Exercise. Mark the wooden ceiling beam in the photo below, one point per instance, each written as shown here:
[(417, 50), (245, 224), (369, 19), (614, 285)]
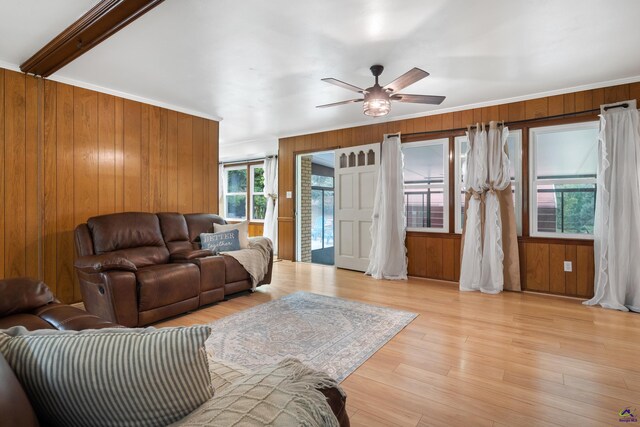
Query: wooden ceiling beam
[(105, 19)]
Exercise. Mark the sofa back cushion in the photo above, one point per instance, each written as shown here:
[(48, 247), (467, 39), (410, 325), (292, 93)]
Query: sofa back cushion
[(201, 223), (175, 232), (133, 235)]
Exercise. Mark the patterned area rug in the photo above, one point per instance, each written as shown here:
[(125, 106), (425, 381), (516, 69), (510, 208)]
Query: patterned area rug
[(330, 334)]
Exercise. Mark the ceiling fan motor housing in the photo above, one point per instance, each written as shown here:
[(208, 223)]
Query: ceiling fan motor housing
[(376, 70)]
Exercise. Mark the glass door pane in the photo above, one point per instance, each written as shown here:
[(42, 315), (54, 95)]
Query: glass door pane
[(328, 218), (317, 225)]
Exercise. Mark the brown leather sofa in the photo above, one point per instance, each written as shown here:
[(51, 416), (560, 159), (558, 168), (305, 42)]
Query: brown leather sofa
[(137, 268), (30, 303)]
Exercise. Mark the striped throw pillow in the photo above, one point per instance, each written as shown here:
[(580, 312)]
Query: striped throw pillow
[(111, 377)]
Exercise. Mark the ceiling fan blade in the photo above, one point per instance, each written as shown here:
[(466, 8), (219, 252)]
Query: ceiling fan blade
[(343, 85), (351, 101), (408, 78), (418, 99)]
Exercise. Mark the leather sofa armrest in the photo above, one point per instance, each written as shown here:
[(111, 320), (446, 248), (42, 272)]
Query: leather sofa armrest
[(267, 278), (191, 255), (102, 263), (111, 295)]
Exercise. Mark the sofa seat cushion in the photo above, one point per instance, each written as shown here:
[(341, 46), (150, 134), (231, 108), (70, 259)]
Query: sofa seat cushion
[(234, 271), (161, 285), (224, 372), (29, 321), (66, 317), (286, 394)]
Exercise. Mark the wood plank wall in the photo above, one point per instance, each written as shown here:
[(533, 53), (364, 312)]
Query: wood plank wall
[(256, 229), (438, 255), (68, 153)]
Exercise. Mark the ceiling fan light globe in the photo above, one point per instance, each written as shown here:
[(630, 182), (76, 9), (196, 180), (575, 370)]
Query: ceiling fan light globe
[(376, 107)]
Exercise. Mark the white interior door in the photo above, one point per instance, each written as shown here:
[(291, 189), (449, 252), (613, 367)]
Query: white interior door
[(356, 177)]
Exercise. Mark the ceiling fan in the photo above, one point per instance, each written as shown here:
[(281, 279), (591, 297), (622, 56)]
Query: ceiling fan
[(377, 99)]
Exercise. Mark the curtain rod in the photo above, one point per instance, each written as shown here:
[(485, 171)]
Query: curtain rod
[(558, 116), (239, 162), (609, 107), (487, 125)]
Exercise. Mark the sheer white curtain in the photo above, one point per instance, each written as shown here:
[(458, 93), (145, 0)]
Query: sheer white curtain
[(388, 256), (617, 221), (222, 190), (498, 179), (474, 178), (490, 215), (271, 192)]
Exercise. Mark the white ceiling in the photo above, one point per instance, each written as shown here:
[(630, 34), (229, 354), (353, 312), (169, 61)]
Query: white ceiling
[(26, 26), (257, 64), (326, 158)]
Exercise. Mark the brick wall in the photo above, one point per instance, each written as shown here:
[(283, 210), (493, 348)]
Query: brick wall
[(305, 209)]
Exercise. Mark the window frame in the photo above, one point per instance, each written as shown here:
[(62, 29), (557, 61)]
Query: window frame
[(445, 184), (533, 181), (252, 193), (249, 193), (227, 193), (515, 183)]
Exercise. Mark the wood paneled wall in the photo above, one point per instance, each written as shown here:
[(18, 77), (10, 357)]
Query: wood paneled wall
[(256, 229), (68, 153), (431, 255)]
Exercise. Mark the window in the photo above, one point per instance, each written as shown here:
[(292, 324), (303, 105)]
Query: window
[(258, 198), (236, 196), (563, 180), (514, 147), (245, 192), (426, 179)]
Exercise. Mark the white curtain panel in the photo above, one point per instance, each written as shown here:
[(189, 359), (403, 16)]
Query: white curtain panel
[(271, 192), (474, 178), (498, 179), (486, 172), (222, 189), (617, 220), (388, 256)]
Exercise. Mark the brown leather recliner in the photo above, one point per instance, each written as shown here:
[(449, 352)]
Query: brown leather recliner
[(30, 303), (138, 268)]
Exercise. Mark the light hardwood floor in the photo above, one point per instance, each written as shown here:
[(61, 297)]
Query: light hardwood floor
[(472, 359)]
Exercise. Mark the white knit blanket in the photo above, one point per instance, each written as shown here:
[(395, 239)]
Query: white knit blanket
[(282, 395), (255, 259)]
